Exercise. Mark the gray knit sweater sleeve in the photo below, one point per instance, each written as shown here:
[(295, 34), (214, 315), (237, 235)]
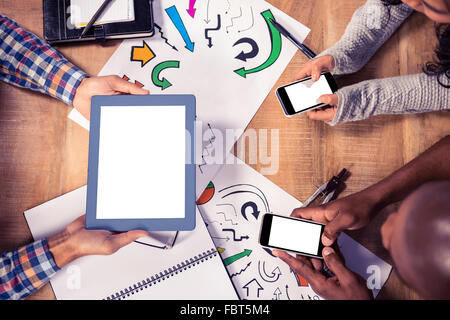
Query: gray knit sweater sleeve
[(370, 27), (398, 95)]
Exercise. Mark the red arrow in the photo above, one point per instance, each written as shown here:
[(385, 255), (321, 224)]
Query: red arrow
[(191, 9)]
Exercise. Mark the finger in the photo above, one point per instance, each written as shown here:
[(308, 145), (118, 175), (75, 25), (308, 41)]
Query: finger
[(124, 86), (317, 264), (334, 228), (315, 72), (303, 73), (344, 275), (331, 99), (322, 115), (313, 213), (314, 278), (122, 239)]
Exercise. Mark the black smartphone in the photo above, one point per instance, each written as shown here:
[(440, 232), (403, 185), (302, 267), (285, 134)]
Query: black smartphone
[(303, 95), (292, 234)]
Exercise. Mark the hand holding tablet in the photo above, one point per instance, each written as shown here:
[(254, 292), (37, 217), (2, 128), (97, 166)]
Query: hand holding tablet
[(141, 163)]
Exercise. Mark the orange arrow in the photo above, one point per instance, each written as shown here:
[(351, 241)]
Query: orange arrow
[(142, 54)]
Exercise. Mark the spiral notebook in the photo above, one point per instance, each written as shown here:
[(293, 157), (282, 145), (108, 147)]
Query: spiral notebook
[(192, 269)]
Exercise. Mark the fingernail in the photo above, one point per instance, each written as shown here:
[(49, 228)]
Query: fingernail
[(276, 253), (327, 251), (326, 241)]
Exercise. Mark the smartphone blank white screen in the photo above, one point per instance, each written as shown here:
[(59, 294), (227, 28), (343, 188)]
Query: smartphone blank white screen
[(295, 235), (306, 94), (141, 165)]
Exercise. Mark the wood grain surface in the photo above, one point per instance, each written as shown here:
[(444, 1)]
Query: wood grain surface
[(44, 155)]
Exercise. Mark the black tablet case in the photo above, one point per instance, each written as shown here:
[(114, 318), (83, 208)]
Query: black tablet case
[(57, 13)]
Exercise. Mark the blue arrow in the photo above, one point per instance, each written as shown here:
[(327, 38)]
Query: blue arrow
[(176, 19)]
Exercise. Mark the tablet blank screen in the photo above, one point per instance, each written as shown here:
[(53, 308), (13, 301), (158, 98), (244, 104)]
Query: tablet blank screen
[(141, 165)]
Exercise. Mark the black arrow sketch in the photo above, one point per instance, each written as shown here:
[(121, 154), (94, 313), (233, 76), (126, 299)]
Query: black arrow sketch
[(164, 38), (238, 273), (256, 285), (249, 55), (234, 235), (253, 21), (207, 20), (276, 273), (219, 24), (277, 293), (255, 212)]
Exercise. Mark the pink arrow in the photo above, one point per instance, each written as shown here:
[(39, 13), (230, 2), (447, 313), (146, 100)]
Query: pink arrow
[(191, 9)]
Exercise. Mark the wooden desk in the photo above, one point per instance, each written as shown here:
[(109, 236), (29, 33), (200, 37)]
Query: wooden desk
[(44, 155)]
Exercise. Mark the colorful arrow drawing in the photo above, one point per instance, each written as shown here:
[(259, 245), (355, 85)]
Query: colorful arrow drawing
[(191, 9), (163, 83), (142, 54), (233, 258), (276, 47), (174, 15), (249, 55)]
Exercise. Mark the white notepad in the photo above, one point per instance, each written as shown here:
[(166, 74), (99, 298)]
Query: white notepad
[(81, 12), (192, 269)]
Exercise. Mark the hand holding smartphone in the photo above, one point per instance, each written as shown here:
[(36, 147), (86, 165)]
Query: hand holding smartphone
[(292, 234), (303, 95)]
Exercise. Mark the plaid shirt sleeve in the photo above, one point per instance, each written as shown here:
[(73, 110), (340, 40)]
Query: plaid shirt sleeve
[(27, 61), (25, 270)]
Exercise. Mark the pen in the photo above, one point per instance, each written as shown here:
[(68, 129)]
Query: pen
[(95, 17), (307, 51)]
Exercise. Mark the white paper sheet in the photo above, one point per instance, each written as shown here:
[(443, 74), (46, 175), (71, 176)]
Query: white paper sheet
[(238, 198), (81, 12), (98, 277), (206, 62)]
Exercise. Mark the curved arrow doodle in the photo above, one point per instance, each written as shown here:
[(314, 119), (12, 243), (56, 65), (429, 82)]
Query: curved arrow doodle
[(252, 205), (287, 293), (233, 18), (163, 83), (276, 273), (212, 29), (259, 193), (249, 55), (276, 47), (225, 218), (234, 235)]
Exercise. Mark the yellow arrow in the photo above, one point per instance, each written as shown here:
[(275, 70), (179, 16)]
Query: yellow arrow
[(220, 250), (142, 54)]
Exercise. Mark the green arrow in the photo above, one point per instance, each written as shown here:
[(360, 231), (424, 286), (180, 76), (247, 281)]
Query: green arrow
[(230, 260), (163, 83), (275, 37)]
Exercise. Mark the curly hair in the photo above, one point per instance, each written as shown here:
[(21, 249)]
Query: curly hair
[(440, 67)]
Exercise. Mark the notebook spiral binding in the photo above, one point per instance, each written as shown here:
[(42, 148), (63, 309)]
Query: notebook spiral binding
[(170, 272)]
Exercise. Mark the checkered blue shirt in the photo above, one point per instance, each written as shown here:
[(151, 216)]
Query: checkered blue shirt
[(27, 61)]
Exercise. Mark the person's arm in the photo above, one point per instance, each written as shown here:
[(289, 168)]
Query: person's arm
[(397, 95), (370, 27), (29, 62), (356, 211), (25, 270)]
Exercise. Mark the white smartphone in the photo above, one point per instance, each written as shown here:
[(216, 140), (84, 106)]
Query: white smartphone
[(303, 95), (292, 234)]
